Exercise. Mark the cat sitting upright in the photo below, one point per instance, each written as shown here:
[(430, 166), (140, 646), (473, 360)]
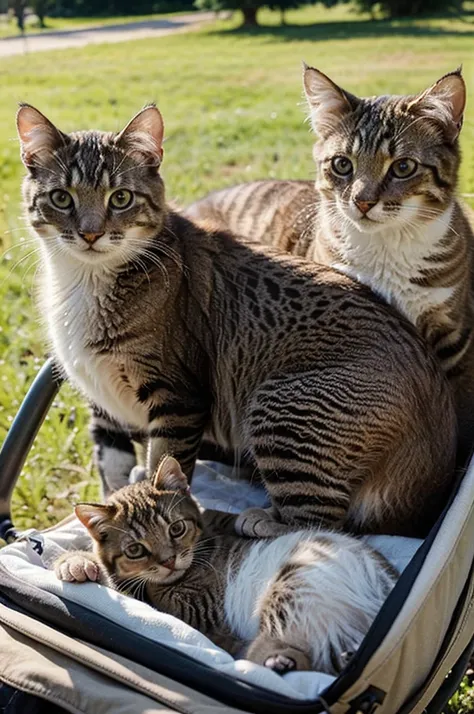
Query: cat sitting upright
[(383, 210)]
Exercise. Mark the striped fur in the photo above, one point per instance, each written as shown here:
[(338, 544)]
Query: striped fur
[(302, 601), (414, 246), (184, 331)]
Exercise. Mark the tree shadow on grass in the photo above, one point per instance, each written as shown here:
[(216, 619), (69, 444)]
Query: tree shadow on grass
[(353, 29)]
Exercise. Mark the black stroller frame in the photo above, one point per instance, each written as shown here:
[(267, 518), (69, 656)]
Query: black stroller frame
[(13, 453), (20, 438)]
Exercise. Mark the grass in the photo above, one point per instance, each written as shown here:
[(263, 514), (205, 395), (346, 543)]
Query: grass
[(232, 106)]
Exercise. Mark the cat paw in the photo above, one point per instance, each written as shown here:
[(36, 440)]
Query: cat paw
[(76, 568), (138, 473), (281, 664), (345, 658), (259, 523)]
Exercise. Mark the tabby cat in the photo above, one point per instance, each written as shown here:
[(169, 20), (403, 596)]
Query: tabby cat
[(178, 331), (302, 601), (383, 210)]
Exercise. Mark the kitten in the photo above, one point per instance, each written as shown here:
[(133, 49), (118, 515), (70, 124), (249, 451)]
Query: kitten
[(383, 210), (302, 601), (178, 331)]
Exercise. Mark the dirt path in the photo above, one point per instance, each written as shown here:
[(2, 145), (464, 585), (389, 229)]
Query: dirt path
[(60, 40)]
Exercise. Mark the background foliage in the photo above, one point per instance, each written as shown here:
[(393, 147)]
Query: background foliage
[(249, 8)]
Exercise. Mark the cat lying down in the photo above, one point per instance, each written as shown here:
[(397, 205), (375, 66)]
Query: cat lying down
[(302, 601)]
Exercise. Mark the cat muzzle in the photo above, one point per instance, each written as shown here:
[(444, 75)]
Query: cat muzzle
[(365, 206), (170, 564), (90, 238)]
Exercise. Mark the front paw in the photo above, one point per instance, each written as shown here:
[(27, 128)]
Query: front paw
[(260, 523), (280, 663), (77, 568)]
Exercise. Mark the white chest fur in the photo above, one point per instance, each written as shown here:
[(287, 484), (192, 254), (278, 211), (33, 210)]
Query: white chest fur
[(71, 300), (389, 260)]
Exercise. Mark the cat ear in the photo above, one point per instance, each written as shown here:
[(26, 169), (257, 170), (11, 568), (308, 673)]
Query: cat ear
[(93, 516), (169, 476), (328, 103), (144, 134), (39, 138), (444, 101)]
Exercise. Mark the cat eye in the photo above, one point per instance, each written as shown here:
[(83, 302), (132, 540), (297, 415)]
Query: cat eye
[(403, 168), (61, 199), (342, 166), (121, 199), (135, 551), (177, 529)]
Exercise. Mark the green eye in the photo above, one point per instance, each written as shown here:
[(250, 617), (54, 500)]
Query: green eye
[(403, 168), (61, 199), (177, 529), (121, 199), (135, 551), (342, 166)]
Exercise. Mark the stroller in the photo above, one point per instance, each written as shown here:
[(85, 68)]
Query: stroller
[(86, 649)]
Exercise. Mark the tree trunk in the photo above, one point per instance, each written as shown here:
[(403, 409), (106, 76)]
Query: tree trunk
[(19, 11), (282, 16), (250, 16), (41, 13)]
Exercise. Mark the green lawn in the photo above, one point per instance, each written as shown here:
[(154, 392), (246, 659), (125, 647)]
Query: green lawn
[(232, 103)]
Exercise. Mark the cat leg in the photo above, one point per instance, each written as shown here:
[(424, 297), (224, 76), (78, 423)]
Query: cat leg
[(176, 431), (260, 523), (218, 522), (114, 452), (298, 436), (80, 566), (276, 654)]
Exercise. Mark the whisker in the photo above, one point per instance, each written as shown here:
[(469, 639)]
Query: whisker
[(171, 509), (138, 167), (116, 528)]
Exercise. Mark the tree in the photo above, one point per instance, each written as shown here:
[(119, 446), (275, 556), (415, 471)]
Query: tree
[(19, 7), (283, 7), (409, 8), (96, 8), (250, 8), (41, 8)]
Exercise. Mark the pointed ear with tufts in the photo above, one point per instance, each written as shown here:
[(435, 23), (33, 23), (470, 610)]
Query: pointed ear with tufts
[(443, 102), (143, 135), (169, 476), (328, 103), (39, 138), (94, 516)]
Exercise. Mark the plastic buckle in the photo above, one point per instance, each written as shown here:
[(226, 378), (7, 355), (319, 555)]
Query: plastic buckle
[(367, 702)]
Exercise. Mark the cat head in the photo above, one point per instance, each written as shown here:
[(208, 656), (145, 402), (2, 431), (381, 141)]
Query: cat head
[(148, 530), (390, 160), (95, 196)]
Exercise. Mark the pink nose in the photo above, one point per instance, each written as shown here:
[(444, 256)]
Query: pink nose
[(365, 206), (170, 564), (90, 237)]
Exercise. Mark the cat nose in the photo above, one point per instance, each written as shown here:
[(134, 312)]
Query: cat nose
[(364, 206), (90, 237), (170, 563)]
